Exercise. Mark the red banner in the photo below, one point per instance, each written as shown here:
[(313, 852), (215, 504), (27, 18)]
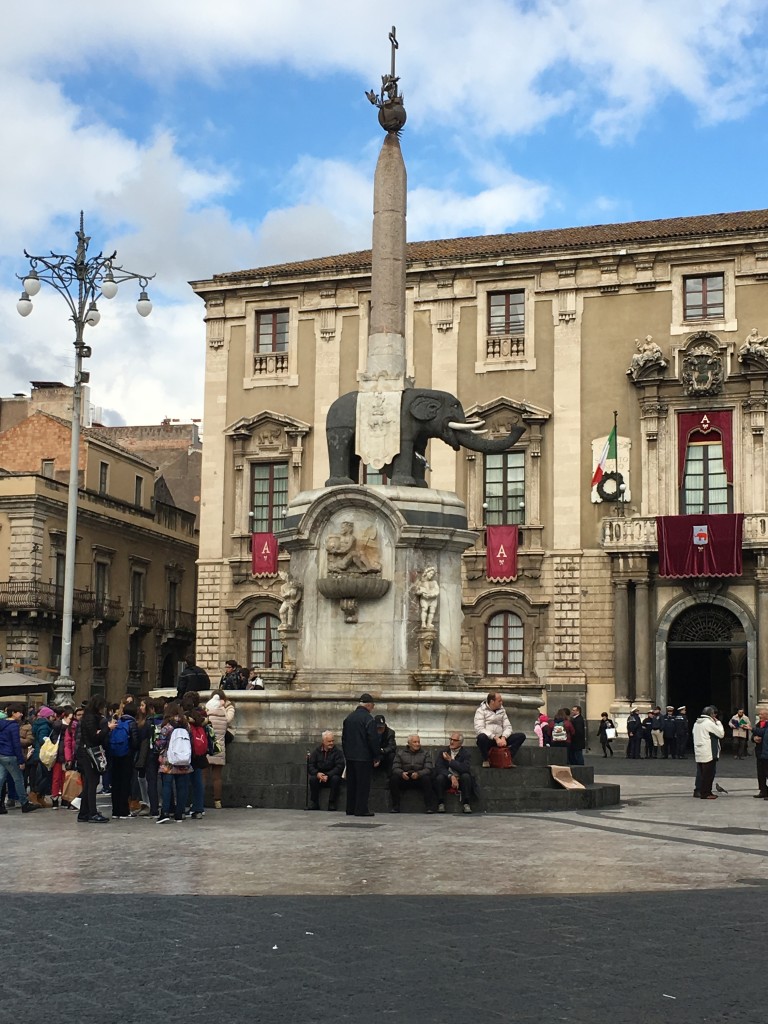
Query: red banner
[(264, 554), (699, 545), (501, 553)]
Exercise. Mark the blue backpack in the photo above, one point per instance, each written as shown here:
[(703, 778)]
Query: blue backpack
[(120, 738)]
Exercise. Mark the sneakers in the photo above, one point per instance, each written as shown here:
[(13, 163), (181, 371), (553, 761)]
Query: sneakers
[(331, 806), (394, 810), (197, 815), (10, 804), (163, 820), (467, 809), (486, 764), (441, 808), (27, 807), (98, 819)]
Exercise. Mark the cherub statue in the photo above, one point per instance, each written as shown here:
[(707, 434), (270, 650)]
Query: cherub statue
[(427, 589), (290, 592)]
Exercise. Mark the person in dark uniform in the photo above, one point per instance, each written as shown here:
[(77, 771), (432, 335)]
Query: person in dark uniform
[(647, 726), (682, 732), (669, 728), (634, 733), (361, 744)]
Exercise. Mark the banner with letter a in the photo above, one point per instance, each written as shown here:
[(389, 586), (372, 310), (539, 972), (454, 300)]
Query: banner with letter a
[(501, 553), (264, 554)]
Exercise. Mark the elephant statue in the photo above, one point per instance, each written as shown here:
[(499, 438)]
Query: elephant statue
[(424, 414)]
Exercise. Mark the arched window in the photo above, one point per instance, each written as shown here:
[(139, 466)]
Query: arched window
[(265, 647), (504, 645), (705, 484)]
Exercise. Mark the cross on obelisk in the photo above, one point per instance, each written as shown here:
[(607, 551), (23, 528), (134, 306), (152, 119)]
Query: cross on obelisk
[(382, 384)]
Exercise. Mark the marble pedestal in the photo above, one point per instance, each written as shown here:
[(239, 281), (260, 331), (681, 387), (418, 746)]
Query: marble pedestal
[(359, 625)]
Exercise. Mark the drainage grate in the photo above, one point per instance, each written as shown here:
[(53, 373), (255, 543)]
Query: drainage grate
[(356, 824)]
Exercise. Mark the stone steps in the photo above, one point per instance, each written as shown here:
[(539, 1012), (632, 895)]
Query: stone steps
[(274, 775)]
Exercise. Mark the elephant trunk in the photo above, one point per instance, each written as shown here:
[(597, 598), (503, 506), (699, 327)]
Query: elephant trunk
[(488, 446)]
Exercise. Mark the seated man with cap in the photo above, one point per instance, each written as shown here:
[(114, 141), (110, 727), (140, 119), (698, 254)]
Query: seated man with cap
[(453, 773), (411, 767), (388, 744), (325, 768)]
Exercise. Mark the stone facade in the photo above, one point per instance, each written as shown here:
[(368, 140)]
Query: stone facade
[(596, 320)]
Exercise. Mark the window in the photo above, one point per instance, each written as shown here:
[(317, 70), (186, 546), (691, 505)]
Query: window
[(703, 297), (373, 476), (136, 654), (46, 468), (265, 646), (100, 650), (103, 477), (137, 597), (138, 491), (504, 645), (269, 496), (506, 313), (272, 331), (504, 490), (61, 565), (705, 484), (173, 602), (100, 586)]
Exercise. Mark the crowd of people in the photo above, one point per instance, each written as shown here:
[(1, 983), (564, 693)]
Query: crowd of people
[(151, 755)]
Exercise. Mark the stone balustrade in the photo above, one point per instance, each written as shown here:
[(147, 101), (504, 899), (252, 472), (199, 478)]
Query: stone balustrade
[(637, 534)]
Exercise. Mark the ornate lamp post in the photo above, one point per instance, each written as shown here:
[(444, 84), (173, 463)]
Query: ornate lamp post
[(82, 281)]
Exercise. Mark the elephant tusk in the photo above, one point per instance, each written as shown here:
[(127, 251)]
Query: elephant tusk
[(466, 426), (483, 431)]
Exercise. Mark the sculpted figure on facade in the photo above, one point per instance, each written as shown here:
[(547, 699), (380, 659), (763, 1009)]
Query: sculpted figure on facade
[(647, 358), (427, 589), (290, 594), (754, 350), (350, 554)]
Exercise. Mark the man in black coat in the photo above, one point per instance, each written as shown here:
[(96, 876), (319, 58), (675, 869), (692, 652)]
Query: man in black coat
[(453, 770), (579, 741), (388, 743), (325, 767), (682, 732), (361, 744), (669, 728), (192, 677)]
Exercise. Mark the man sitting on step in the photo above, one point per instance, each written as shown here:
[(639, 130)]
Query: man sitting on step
[(453, 773), (412, 767), (493, 728), (325, 767)]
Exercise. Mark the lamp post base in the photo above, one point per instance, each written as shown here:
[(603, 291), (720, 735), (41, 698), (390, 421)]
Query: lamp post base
[(63, 691)]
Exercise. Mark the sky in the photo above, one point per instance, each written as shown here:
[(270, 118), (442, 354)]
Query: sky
[(201, 138)]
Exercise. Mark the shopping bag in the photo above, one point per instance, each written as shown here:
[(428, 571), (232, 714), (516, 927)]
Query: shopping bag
[(73, 786)]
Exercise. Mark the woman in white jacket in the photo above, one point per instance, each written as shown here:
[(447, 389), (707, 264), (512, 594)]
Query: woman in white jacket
[(221, 714), (707, 733)]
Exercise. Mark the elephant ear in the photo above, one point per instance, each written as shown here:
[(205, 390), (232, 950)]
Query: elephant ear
[(425, 408)]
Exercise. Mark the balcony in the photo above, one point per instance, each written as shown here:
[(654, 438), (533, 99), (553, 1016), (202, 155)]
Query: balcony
[(142, 618), (178, 623), (637, 534), (33, 597)]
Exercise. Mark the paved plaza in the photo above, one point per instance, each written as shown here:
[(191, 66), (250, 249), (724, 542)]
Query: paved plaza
[(652, 911)]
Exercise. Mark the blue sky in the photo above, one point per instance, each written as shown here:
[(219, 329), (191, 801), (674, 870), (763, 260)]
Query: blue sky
[(202, 138)]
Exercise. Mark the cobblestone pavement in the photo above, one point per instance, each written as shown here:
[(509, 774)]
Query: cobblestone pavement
[(650, 912)]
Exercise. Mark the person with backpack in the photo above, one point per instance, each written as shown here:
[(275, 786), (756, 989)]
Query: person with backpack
[(174, 745), (124, 743), (200, 745), (562, 732), (39, 775), (93, 734), (155, 719)]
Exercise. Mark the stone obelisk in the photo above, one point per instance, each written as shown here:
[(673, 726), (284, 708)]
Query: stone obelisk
[(382, 384)]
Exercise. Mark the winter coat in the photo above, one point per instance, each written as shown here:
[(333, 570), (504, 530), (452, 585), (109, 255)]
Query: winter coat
[(144, 732), (740, 726), (92, 732), (492, 723), (761, 733), (705, 748), (192, 677), (387, 743), (579, 741), (41, 729), (360, 738), (220, 716), (460, 763), (605, 723), (327, 762), (27, 737), (669, 727), (10, 742), (634, 725), (407, 760), (681, 728), (162, 746)]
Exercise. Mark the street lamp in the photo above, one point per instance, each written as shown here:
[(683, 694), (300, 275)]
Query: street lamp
[(82, 282)]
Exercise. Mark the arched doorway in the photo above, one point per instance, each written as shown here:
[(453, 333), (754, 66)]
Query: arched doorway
[(707, 660)]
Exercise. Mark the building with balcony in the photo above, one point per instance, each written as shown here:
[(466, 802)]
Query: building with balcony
[(135, 574), (662, 323)]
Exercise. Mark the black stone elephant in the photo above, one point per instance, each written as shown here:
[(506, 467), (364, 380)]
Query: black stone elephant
[(424, 414)]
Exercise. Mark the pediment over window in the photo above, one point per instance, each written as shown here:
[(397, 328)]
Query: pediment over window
[(502, 414), (268, 431)]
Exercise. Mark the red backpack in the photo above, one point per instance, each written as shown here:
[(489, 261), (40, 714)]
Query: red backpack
[(199, 740)]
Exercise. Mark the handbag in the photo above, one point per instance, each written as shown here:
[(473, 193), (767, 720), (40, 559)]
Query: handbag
[(98, 758), (500, 757), (73, 786), (610, 733), (228, 737), (48, 752)]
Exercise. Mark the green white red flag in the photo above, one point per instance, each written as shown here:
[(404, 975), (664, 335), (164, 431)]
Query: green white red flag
[(608, 454)]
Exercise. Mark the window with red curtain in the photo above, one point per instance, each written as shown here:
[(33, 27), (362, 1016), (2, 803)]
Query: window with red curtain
[(705, 463)]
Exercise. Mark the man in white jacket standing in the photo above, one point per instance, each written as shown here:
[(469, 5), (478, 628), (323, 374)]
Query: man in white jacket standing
[(707, 733), (493, 728)]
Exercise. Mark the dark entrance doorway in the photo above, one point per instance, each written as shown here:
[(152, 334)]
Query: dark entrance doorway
[(706, 661)]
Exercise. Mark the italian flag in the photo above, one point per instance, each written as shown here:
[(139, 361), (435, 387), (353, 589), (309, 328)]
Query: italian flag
[(608, 452)]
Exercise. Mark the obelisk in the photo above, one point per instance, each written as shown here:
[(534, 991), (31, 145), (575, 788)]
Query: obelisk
[(382, 384)]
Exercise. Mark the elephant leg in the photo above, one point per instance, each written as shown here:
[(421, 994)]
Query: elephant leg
[(402, 467), (341, 456)]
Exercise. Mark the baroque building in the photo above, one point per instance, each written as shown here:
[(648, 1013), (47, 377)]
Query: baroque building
[(658, 327), (135, 574)]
